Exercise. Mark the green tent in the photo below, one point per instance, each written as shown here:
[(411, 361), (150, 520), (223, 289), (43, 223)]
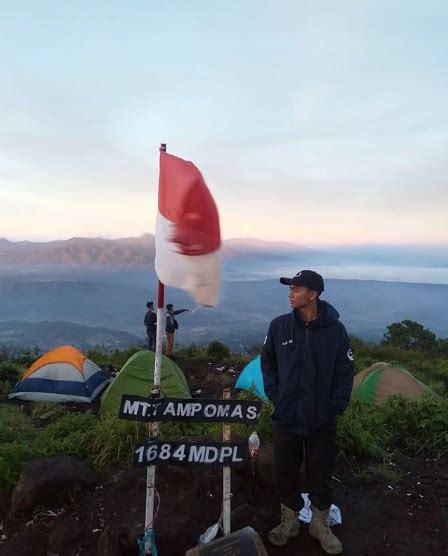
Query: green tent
[(382, 380), (136, 378)]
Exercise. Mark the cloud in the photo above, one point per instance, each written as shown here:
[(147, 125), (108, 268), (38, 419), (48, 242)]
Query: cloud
[(309, 121)]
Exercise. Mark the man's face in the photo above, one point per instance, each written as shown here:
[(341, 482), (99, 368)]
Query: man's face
[(301, 297)]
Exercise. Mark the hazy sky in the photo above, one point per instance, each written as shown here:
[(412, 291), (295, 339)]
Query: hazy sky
[(318, 122)]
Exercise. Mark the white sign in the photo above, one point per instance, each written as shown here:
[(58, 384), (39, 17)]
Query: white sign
[(191, 453)]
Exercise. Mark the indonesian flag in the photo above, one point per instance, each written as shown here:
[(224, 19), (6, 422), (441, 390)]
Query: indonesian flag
[(188, 239)]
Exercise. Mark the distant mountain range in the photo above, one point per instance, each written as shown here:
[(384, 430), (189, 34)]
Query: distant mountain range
[(92, 252), (138, 252), (93, 291)]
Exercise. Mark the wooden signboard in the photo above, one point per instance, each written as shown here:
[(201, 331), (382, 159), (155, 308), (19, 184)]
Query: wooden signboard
[(216, 454), (137, 408)]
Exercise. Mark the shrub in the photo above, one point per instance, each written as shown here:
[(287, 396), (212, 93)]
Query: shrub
[(192, 353), (111, 441), (71, 435), (9, 376), (12, 457), (418, 426), (14, 425), (360, 432), (217, 351), (16, 435)]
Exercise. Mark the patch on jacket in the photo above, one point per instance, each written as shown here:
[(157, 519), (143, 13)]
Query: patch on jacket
[(287, 342), (350, 355)]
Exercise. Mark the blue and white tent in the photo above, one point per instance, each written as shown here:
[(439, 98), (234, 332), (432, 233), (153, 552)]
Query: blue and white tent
[(252, 379), (64, 374)]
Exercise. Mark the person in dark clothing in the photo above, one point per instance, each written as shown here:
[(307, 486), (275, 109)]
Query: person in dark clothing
[(151, 325), (307, 366), (171, 325)]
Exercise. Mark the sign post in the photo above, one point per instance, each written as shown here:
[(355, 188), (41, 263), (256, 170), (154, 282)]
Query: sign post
[(224, 454), (226, 477)]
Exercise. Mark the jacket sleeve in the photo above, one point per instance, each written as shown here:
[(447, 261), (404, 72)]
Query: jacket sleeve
[(179, 311), (269, 368), (343, 376)]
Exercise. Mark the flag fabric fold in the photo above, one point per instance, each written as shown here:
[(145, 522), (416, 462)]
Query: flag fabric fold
[(188, 238)]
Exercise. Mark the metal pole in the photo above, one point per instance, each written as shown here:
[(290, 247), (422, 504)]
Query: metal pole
[(226, 476), (153, 429)]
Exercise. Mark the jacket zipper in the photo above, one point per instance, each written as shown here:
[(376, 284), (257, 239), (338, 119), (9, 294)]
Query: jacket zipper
[(315, 375), (306, 342)]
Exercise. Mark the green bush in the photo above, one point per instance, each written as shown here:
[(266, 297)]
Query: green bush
[(10, 372), (12, 457), (418, 426), (217, 351), (192, 353), (111, 441), (71, 435), (14, 425), (16, 436), (360, 432)]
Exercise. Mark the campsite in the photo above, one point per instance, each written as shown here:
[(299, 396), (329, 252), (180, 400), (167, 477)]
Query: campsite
[(224, 278), (390, 480)]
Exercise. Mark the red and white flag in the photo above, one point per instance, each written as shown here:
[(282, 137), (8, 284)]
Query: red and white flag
[(188, 239)]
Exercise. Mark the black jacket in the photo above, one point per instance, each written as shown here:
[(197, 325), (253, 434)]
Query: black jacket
[(308, 370), (150, 322), (171, 324)]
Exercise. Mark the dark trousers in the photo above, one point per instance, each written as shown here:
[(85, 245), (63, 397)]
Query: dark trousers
[(151, 341), (289, 451)]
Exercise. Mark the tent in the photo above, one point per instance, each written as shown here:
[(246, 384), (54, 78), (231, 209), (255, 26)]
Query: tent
[(137, 376), (252, 379), (64, 374), (381, 380)]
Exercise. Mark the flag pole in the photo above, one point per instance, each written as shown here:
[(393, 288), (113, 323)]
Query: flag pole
[(153, 429)]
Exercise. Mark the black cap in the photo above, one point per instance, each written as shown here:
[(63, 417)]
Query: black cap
[(307, 278)]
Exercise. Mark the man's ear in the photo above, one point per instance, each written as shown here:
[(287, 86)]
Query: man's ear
[(313, 295)]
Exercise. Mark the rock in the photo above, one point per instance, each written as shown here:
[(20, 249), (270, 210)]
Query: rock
[(265, 465), (46, 481), (65, 535)]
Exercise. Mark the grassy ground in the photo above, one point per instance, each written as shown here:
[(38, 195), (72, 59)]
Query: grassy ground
[(364, 432)]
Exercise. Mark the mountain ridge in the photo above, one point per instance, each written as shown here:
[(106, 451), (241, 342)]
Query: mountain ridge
[(118, 253)]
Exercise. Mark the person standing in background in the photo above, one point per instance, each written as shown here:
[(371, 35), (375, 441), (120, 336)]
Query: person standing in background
[(171, 325), (151, 325)]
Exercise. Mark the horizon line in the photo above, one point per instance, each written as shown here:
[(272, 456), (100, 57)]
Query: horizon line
[(240, 238)]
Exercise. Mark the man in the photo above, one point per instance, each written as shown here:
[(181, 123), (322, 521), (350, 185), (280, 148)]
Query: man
[(307, 366), (151, 325), (171, 325)]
